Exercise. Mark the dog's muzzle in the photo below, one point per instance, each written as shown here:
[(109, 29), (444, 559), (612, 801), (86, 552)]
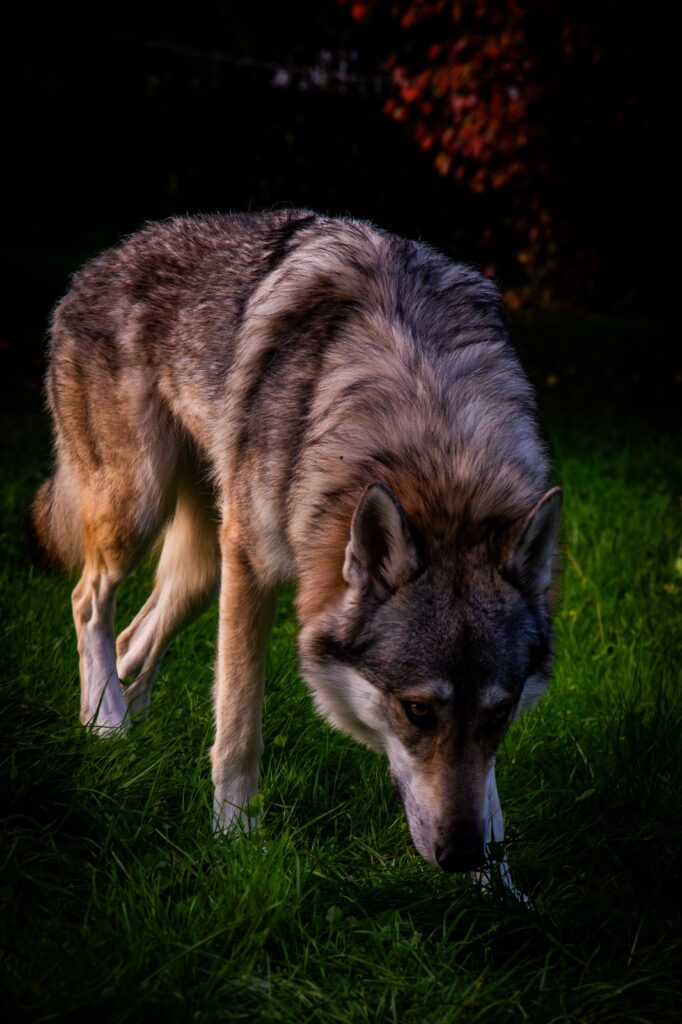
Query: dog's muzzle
[(463, 849)]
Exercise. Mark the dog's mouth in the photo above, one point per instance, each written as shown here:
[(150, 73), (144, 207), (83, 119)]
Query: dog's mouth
[(462, 851)]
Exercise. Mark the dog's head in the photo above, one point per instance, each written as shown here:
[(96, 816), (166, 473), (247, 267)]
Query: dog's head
[(429, 658)]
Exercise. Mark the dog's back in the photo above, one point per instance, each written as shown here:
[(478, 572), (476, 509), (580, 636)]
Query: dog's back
[(298, 356)]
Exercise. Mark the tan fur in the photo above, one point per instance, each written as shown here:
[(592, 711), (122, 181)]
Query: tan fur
[(55, 520), (231, 387), (186, 580), (238, 746)]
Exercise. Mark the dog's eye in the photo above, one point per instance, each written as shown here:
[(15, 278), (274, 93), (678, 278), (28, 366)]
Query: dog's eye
[(419, 714), (500, 713)]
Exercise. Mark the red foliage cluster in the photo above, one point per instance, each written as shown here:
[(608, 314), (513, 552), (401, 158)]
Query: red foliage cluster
[(467, 95), (464, 83), (511, 98), (469, 103)]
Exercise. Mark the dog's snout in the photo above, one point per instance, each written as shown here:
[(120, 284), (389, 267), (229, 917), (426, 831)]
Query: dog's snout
[(462, 850)]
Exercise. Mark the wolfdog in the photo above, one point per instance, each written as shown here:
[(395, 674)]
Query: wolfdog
[(289, 396)]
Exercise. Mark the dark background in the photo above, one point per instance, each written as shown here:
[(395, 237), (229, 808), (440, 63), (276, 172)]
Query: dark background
[(117, 114), (115, 122)]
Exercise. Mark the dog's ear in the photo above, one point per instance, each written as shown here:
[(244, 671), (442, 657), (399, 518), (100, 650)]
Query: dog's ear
[(381, 554), (532, 557)]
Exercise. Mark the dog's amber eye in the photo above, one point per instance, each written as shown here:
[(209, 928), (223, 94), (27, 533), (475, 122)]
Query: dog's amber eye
[(500, 713), (419, 710), (419, 714)]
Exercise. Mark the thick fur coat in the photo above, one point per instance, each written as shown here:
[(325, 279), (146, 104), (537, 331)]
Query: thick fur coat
[(287, 396)]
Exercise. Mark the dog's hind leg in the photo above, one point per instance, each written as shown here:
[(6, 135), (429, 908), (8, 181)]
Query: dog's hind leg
[(186, 581), (246, 610), (116, 532)]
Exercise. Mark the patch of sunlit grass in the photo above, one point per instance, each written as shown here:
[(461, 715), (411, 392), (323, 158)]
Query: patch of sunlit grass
[(118, 904)]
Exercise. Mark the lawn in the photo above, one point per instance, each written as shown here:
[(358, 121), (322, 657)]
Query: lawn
[(118, 905)]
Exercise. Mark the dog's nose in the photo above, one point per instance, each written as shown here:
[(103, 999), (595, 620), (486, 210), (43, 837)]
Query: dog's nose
[(463, 849)]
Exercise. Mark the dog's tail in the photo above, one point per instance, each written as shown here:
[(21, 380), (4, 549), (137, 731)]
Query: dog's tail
[(55, 523)]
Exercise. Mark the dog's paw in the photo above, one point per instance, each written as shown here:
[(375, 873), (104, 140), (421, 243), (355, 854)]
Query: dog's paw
[(109, 715), (508, 883), (234, 813), (492, 874)]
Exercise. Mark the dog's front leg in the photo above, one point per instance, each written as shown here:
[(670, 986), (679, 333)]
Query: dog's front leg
[(246, 610), (495, 832), (494, 839)]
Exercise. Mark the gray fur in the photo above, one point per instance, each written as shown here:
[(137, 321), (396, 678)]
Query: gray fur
[(236, 384)]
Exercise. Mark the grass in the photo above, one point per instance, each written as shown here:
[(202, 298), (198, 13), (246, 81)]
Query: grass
[(118, 905)]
